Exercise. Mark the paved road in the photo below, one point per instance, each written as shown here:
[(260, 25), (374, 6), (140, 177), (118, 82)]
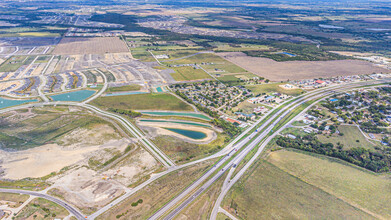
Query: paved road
[(67, 206), (215, 168), (105, 85), (269, 125), (229, 150), (228, 183)]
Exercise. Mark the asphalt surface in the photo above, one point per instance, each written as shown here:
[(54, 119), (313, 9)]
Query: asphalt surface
[(228, 151), (268, 126), (67, 206)]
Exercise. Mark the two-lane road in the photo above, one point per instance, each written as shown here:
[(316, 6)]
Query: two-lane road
[(67, 206)]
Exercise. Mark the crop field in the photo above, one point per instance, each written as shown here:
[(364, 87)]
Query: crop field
[(182, 151), (42, 209), (349, 139), (97, 45), (267, 192), (297, 70), (143, 102), (358, 187), (272, 88), (156, 194), (188, 73)]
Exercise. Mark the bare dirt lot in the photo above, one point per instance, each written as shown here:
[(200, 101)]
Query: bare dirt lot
[(96, 45), (297, 70)]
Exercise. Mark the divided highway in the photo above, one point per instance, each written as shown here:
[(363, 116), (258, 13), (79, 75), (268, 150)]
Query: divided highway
[(252, 140), (231, 156)]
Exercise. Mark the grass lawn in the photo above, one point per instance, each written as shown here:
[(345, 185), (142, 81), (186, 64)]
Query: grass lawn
[(272, 88), (354, 185), (267, 192), (132, 87), (143, 102), (42, 209), (187, 73), (351, 134)]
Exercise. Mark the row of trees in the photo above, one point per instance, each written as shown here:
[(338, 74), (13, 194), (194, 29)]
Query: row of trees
[(129, 113), (372, 160)]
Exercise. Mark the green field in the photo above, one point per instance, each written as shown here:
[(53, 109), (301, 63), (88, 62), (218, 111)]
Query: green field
[(43, 59), (272, 88), (143, 102), (294, 131), (267, 192), (182, 151), (246, 107), (187, 73), (361, 188), (132, 87), (42, 209), (349, 139), (225, 47), (43, 127), (209, 61), (174, 54), (142, 55), (13, 63)]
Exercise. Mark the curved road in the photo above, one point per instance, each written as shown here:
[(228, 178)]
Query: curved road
[(268, 126), (229, 150), (71, 209)]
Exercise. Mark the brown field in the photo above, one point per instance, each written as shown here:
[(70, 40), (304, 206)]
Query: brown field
[(297, 70), (96, 45)]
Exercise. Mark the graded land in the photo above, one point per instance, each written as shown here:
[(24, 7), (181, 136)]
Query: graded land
[(298, 70)]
